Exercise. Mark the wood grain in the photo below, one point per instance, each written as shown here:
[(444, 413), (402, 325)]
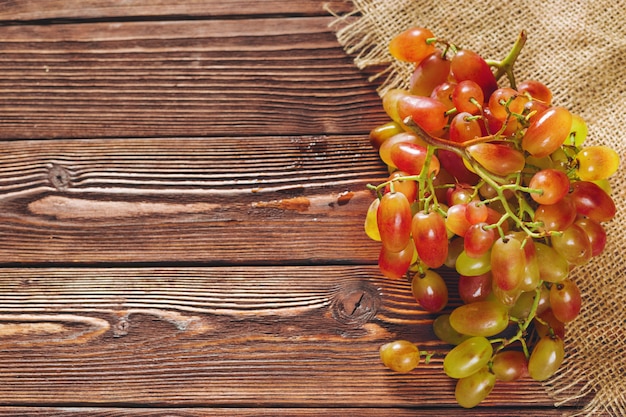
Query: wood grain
[(181, 78), (230, 336), (28, 10), (233, 200)]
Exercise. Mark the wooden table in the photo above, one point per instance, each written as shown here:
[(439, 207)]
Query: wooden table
[(182, 196)]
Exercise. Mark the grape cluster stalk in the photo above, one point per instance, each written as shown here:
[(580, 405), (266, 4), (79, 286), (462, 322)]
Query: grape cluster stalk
[(491, 179)]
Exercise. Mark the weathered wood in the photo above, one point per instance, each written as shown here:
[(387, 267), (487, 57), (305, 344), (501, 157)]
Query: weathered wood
[(29, 10), (181, 78), (273, 336), (253, 200)]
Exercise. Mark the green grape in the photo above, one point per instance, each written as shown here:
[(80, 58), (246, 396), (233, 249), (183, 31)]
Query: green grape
[(467, 357), (524, 303), (466, 265), (472, 390), (371, 222), (400, 355), (445, 332), (546, 357), (573, 244), (553, 267), (596, 163), (509, 365), (383, 132), (481, 318), (578, 131)]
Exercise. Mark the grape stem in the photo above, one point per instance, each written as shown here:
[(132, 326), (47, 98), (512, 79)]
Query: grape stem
[(505, 67)]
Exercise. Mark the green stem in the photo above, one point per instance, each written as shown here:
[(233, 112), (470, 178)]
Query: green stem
[(505, 67)]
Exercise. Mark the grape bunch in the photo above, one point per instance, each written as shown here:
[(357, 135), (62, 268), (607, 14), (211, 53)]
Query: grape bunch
[(490, 178)]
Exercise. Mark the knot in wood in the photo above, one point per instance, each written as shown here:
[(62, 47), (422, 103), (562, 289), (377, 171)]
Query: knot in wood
[(59, 177), (356, 303)]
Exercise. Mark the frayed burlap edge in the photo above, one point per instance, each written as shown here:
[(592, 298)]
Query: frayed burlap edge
[(583, 63)]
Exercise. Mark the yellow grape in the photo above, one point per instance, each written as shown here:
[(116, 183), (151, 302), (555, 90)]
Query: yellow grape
[(596, 163), (371, 222), (472, 390), (400, 355)]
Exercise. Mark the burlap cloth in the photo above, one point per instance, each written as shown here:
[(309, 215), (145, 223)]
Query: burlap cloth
[(577, 48)]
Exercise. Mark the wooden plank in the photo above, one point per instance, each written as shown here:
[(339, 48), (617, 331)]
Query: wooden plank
[(181, 78), (29, 10), (298, 199), (275, 412), (236, 337)]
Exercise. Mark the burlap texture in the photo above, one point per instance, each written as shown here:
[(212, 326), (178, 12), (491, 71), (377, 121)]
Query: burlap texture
[(577, 48)]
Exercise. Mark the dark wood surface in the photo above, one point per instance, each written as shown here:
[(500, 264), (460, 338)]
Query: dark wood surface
[(182, 194)]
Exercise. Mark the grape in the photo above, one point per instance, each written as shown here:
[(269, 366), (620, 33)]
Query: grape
[(431, 72), (406, 187), (445, 332), (464, 127), (592, 201), (430, 291), (427, 112), (578, 131), (478, 240), (410, 158), (565, 300), (553, 183), (385, 149), (509, 365), (481, 318), (596, 163), (467, 357), (508, 262), (476, 212), (468, 65), (394, 220), (467, 96), (466, 265), (430, 237), (411, 45), (595, 233), (511, 200), (383, 132), (456, 220), (546, 358), (573, 244), (443, 94), (400, 355), (557, 216), (473, 389), (549, 325), (395, 265), (499, 159), (548, 132), (524, 303), (553, 267), (506, 98), (476, 288), (371, 220), (537, 90)]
